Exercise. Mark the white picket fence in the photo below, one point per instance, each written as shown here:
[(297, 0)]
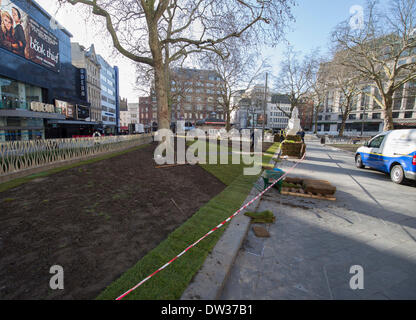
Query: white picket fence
[(16, 156)]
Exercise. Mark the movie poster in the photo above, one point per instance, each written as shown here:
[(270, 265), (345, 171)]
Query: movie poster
[(22, 35), (260, 119), (65, 108)]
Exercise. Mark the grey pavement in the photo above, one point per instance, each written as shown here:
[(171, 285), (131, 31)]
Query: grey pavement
[(314, 243)]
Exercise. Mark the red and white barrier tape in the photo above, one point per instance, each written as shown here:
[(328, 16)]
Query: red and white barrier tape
[(212, 231)]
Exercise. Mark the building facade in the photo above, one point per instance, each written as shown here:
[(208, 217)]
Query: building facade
[(133, 109), (87, 60), (196, 95), (147, 111), (40, 89), (125, 120), (278, 118), (367, 117), (251, 109), (109, 81)]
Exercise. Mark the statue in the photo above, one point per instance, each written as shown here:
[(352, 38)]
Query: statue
[(294, 123)]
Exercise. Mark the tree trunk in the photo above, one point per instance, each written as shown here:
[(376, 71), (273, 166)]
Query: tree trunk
[(388, 112), (345, 114), (228, 115), (316, 120), (160, 79), (344, 120)]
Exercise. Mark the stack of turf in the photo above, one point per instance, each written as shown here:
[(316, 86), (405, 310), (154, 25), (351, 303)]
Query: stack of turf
[(293, 147), (261, 217), (319, 187)]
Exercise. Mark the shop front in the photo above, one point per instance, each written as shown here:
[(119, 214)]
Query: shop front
[(31, 80), (76, 122), (22, 124), (69, 129)]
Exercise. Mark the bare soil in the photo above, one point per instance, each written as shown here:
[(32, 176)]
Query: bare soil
[(95, 221)]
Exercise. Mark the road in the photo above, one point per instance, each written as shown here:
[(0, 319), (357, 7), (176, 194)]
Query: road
[(314, 243)]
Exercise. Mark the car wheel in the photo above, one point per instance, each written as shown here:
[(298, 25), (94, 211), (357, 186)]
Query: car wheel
[(397, 174), (359, 162)]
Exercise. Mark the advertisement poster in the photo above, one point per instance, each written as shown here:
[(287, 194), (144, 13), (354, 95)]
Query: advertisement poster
[(260, 119), (83, 113), (22, 35), (65, 108)]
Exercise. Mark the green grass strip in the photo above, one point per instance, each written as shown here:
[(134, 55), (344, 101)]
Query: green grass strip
[(171, 282), (19, 181)]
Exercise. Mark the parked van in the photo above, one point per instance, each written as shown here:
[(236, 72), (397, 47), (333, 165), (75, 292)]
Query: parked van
[(392, 152)]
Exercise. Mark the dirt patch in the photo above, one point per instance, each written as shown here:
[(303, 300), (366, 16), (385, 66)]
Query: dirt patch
[(261, 232), (95, 221)]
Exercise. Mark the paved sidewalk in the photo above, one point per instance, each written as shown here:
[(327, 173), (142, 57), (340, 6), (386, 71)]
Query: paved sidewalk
[(314, 243)]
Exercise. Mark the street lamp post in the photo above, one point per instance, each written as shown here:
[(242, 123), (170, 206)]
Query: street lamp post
[(251, 111), (362, 123)]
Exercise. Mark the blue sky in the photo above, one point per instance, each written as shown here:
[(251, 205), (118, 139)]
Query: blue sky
[(315, 19)]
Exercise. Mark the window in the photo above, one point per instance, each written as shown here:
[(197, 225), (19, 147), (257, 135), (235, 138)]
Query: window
[(410, 104), (17, 95), (376, 115), (397, 100), (376, 142), (408, 115), (396, 115), (397, 103), (352, 117)]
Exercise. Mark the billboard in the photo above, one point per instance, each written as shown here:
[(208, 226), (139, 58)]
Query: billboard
[(260, 119), (83, 113), (22, 35), (65, 108)]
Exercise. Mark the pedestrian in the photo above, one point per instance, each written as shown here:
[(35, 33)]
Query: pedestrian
[(302, 135)]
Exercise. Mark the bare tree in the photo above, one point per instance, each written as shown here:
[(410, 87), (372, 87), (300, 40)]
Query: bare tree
[(317, 94), (296, 78), (345, 81), (156, 33), (239, 69), (381, 50)]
